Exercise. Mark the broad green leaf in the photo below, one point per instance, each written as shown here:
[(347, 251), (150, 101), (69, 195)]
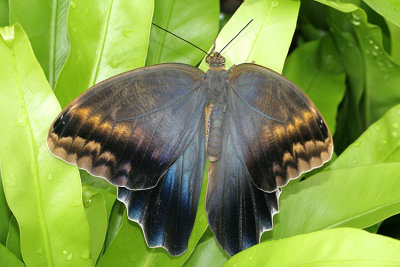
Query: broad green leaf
[(196, 22), (389, 9), (45, 23), (5, 215), (266, 40), (96, 213), (341, 6), (207, 253), (128, 246), (107, 37), (380, 143), (9, 259), (43, 192), (13, 238), (395, 41), (335, 247), (316, 68), (4, 13), (358, 190)]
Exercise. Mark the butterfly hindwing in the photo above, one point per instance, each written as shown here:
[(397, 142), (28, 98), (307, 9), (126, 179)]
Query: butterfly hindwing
[(281, 132), (167, 212), (131, 128), (238, 212)]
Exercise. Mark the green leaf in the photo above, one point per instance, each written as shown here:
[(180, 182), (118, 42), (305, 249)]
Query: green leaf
[(358, 190), (316, 68), (196, 22), (4, 13), (107, 38), (335, 247), (207, 253), (128, 247), (5, 215), (96, 213), (13, 238), (9, 259), (266, 40), (45, 23), (42, 191), (395, 41), (390, 9)]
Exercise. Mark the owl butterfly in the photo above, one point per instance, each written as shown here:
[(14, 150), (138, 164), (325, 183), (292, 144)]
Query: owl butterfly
[(147, 131)]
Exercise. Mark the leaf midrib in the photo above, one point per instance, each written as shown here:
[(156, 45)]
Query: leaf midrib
[(100, 49)]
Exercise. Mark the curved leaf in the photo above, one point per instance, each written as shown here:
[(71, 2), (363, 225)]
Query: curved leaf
[(395, 41), (389, 9), (45, 23), (107, 37), (208, 253), (8, 259), (42, 191), (315, 67), (266, 40), (195, 21), (359, 189), (335, 247), (13, 238)]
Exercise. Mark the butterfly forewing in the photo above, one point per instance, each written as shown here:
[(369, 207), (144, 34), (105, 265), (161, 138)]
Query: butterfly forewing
[(131, 128), (167, 212), (281, 132)]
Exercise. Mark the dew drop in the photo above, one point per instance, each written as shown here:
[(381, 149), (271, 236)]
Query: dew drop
[(88, 203), (378, 127), (357, 144), (395, 125), (355, 22), (85, 254), (371, 41), (374, 53), (251, 258), (395, 134), (355, 16), (355, 161), (275, 3), (69, 257), (114, 63), (50, 177), (65, 252), (73, 5), (376, 47), (74, 29), (384, 142)]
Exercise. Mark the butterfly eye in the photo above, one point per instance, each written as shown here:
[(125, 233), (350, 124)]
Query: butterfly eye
[(222, 60)]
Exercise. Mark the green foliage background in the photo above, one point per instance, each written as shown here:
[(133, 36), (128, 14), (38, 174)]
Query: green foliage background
[(344, 54)]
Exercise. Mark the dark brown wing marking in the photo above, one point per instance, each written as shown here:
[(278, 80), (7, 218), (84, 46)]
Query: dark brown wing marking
[(131, 128), (282, 133)]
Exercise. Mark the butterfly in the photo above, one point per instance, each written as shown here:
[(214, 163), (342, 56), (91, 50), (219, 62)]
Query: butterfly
[(148, 132)]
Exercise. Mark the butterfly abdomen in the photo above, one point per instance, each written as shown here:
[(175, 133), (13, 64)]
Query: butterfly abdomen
[(215, 131)]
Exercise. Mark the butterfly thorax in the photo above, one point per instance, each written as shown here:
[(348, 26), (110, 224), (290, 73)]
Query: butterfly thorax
[(216, 85)]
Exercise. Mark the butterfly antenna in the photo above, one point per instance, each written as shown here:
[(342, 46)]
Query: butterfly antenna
[(236, 35), (181, 38)]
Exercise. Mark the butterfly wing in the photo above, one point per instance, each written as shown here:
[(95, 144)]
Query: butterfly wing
[(167, 212), (132, 127), (281, 132), (238, 212)]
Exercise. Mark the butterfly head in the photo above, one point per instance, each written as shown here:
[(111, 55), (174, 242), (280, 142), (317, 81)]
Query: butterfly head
[(215, 60)]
